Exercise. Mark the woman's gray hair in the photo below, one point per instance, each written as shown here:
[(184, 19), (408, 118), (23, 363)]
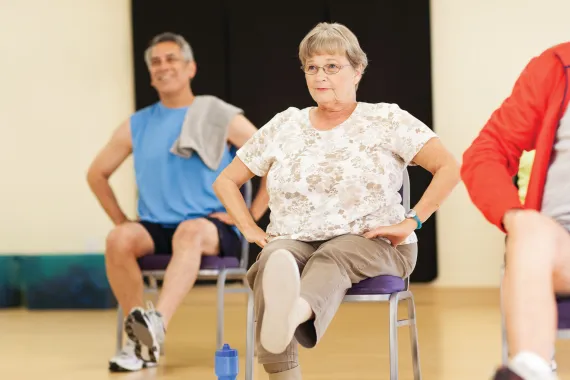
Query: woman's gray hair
[(326, 38), (170, 37)]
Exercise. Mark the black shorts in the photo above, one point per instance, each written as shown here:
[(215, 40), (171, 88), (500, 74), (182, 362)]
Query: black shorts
[(230, 242)]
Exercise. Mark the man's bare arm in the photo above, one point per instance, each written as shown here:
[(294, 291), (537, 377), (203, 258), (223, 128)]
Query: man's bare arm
[(107, 161)]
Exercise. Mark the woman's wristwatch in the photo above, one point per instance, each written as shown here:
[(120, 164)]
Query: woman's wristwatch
[(412, 215)]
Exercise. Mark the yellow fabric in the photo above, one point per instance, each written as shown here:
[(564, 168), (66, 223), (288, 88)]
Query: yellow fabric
[(525, 167)]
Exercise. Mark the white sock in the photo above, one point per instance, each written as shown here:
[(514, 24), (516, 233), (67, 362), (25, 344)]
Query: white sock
[(302, 311), (531, 366)]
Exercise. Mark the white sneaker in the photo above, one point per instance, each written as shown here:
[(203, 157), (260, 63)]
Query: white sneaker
[(126, 360), (281, 293), (145, 328), (530, 366)]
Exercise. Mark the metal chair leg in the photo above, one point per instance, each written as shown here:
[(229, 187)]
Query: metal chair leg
[(254, 343), (504, 342), (119, 329), (250, 338), (394, 300), (414, 337), (221, 288)]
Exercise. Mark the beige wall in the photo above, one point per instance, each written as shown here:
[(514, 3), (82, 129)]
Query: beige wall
[(479, 49), (66, 84)]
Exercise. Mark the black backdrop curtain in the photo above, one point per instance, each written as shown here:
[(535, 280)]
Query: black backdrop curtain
[(247, 55)]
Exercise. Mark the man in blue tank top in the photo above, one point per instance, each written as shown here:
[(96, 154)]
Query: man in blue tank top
[(179, 214)]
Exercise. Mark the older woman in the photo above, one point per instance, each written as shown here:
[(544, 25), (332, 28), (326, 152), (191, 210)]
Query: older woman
[(333, 176)]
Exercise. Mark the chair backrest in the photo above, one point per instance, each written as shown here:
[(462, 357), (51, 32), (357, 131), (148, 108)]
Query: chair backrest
[(405, 193), (247, 192), (406, 190)]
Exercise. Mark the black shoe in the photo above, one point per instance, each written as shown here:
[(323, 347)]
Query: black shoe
[(505, 373)]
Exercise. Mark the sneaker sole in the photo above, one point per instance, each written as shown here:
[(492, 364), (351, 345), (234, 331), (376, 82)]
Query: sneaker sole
[(114, 367), (140, 332), (281, 290)]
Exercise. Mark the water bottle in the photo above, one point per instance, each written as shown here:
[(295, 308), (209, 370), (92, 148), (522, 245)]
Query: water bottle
[(227, 365)]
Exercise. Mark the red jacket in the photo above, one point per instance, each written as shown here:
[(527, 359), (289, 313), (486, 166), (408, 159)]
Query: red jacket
[(527, 120)]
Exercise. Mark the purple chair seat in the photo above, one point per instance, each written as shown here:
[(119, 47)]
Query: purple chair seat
[(564, 313), (377, 285), (160, 262)]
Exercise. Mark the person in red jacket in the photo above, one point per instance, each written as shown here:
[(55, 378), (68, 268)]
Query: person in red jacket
[(535, 116)]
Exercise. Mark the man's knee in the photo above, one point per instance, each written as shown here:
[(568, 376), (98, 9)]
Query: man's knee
[(532, 224), (195, 231), (126, 240), (531, 229)]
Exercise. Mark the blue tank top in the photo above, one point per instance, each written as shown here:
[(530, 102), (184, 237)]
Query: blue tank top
[(171, 189)]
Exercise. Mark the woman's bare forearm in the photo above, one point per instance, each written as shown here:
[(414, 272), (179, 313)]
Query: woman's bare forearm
[(442, 184), (229, 194)]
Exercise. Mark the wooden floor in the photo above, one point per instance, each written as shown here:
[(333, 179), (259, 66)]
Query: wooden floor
[(459, 333)]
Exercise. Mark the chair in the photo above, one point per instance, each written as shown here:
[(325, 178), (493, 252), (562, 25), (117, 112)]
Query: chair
[(563, 306), (390, 289), (153, 268)]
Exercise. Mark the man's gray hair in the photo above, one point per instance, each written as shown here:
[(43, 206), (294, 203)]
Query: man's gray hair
[(170, 37)]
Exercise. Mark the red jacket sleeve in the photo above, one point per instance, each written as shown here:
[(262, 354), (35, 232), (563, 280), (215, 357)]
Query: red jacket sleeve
[(492, 160)]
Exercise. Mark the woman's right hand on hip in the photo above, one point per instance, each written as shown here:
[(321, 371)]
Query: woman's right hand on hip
[(256, 235)]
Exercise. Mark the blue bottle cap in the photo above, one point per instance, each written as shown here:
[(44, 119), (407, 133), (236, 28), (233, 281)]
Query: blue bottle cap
[(227, 352)]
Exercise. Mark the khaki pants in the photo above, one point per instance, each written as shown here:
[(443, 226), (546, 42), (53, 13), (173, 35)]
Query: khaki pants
[(328, 269)]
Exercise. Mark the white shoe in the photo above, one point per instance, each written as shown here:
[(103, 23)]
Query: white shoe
[(146, 328), (126, 360), (281, 293), (530, 366)]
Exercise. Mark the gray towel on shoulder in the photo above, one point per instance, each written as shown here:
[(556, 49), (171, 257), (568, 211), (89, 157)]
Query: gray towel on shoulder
[(205, 130)]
